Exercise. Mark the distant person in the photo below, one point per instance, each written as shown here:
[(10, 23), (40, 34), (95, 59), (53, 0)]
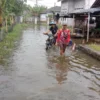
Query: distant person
[(57, 18)]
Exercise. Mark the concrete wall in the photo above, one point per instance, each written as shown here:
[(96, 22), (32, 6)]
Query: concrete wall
[(89, 51), (69, 21)]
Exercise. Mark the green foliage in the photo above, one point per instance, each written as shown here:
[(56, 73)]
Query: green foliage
[(38, 9), (7, 45), (95, 47), (12, 6)]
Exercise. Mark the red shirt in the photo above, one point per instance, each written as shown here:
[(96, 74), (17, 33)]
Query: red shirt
[(63, 36)]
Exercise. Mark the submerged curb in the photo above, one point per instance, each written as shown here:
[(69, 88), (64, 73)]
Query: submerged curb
[(89, 51)]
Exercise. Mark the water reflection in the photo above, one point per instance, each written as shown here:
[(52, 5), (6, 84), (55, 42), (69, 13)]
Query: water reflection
[(32, 68), (61, 70), (58, 66)]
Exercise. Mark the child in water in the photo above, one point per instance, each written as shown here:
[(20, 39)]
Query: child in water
[(63, 39)]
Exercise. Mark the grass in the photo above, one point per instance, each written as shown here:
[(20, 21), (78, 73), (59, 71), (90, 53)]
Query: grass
[(95, 47), (7, 45)]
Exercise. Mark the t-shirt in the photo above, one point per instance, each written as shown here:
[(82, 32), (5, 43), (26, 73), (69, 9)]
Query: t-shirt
[(53, 30), (63, 36)]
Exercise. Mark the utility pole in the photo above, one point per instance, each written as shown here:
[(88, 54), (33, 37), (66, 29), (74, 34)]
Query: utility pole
[(36, 13), (36, 19), (54, 4), (36, 2)]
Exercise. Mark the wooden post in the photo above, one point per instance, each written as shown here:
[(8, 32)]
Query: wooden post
[(88, 27), (36, 20), (48, 19), (73, 24)]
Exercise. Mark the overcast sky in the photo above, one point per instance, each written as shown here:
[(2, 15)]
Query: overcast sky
[(48, 3)]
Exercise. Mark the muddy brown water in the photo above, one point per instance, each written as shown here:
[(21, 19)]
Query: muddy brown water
[(34, 74)]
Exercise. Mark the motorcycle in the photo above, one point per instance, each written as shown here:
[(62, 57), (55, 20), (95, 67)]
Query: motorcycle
[(49, 41)]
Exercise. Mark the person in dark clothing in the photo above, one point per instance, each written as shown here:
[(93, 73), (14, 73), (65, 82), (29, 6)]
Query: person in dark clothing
[(53, 29), (57, 17)]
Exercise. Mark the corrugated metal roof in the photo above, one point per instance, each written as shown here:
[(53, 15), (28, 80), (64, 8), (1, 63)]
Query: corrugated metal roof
[(53, 9), (96, 4), (82, 11), (91, 10)]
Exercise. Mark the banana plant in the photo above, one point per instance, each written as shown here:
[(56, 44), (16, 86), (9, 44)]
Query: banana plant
[(2, 6)]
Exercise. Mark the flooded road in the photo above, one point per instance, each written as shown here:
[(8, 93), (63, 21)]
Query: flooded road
[(34, 74)]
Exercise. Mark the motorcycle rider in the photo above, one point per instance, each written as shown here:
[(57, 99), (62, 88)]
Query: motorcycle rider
[(53, 29)]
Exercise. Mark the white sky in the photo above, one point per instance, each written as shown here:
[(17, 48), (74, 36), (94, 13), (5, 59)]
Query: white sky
[(48, 3)]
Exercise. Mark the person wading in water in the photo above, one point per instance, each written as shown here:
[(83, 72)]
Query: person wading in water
[(63, 38)]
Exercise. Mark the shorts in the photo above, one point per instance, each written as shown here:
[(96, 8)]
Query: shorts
[(62, 46), (70, 43)]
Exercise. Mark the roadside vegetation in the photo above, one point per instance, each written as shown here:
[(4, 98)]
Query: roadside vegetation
[(95, 47), (8, 44), (10, 30)]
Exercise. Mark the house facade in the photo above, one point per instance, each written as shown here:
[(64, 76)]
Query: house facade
[(44, 15), (69, 6)]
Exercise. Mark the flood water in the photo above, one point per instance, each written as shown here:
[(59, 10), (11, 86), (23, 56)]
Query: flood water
[(34, 74)]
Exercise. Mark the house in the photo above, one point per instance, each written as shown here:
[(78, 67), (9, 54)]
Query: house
[(69, 6), (82, 17), (43, 16), (49, 12)]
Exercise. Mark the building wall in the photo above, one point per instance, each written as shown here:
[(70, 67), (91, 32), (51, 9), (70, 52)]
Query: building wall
[(68, 6), (71, 5), (43, 17), (79, 4)]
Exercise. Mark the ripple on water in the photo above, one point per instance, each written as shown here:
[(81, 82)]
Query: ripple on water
[(36, 74)]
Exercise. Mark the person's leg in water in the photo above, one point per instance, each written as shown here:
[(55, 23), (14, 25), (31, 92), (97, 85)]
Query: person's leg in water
[(62, 49), (54, 40), (73, 47)]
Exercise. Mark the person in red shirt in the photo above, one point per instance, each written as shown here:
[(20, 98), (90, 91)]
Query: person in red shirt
[(63, 38)]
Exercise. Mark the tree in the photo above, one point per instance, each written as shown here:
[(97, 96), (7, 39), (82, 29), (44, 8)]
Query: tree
[(2, 5), (10, 8), (38, 9)]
